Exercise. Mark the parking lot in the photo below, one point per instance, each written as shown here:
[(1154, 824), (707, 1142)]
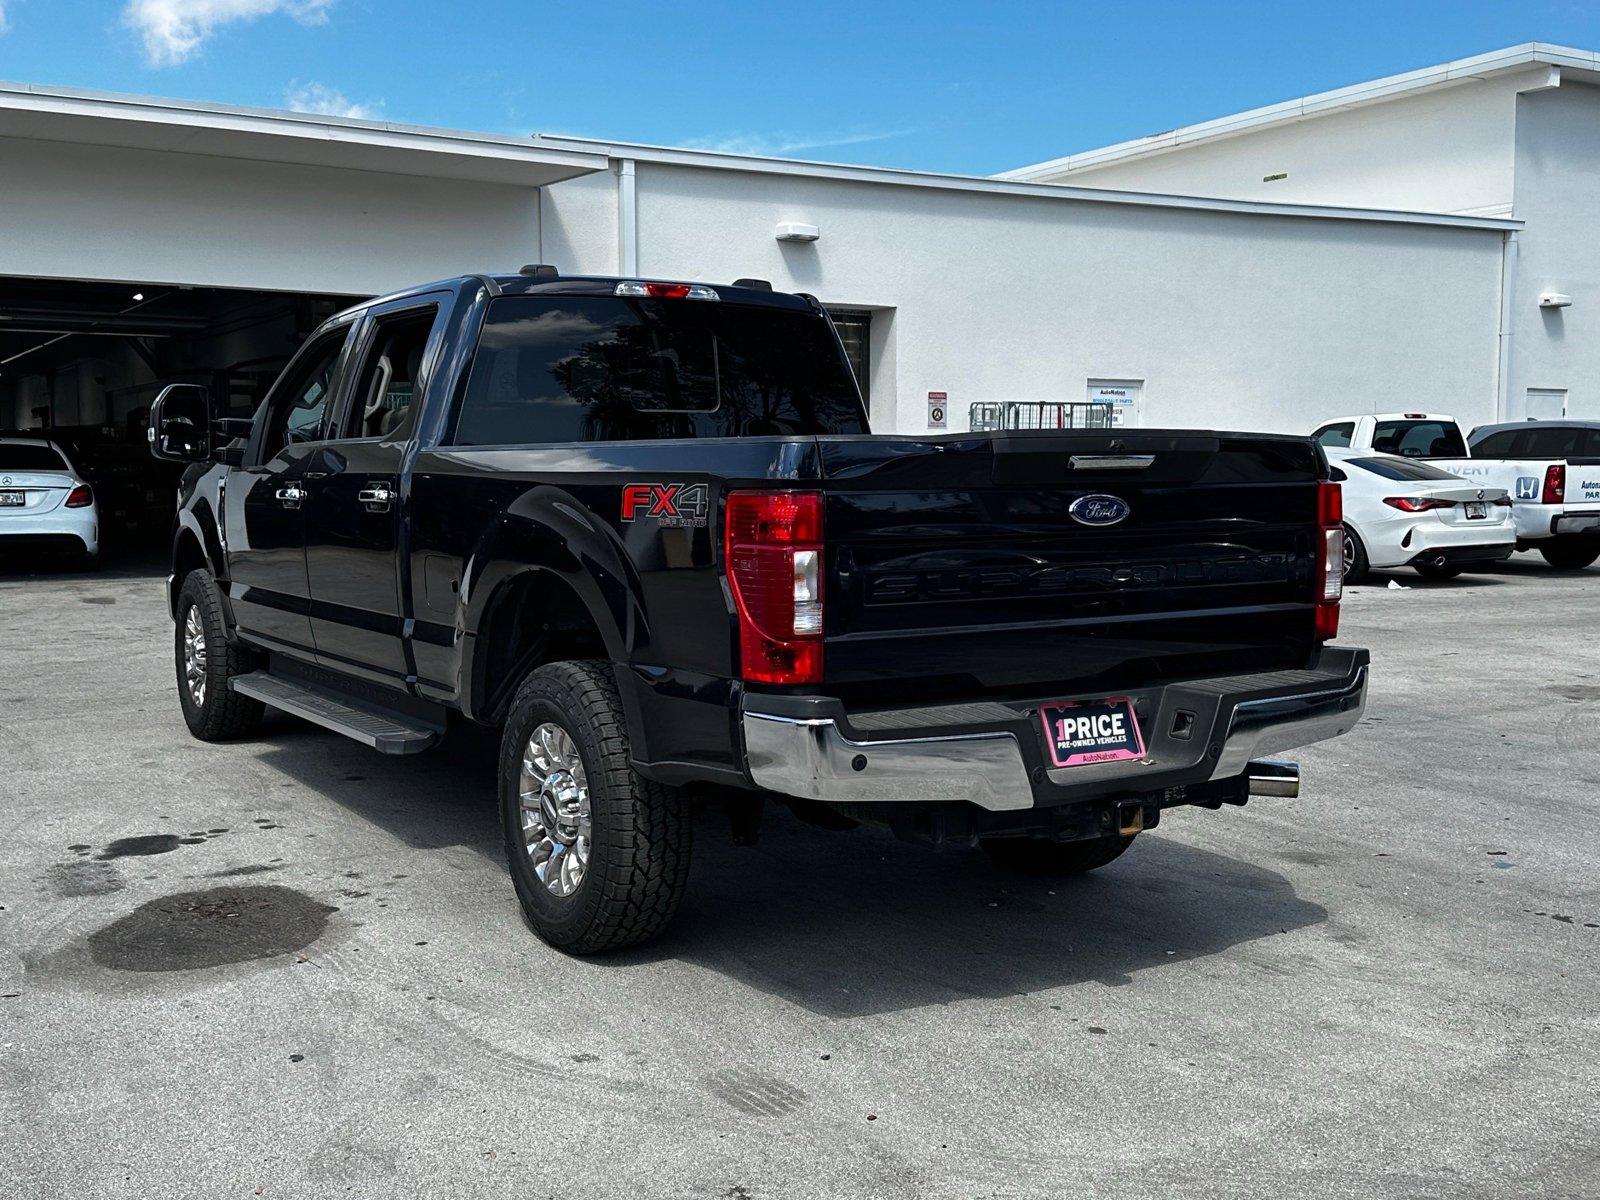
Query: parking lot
[(294, 967)]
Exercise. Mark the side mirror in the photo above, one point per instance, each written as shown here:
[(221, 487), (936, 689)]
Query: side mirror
[(180, 423)]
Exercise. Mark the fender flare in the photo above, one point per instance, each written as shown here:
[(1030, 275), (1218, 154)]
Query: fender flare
[(548, 532)]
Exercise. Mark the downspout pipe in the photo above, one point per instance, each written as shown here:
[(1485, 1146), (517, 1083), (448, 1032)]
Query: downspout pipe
[(1502, 371), (627, 218)]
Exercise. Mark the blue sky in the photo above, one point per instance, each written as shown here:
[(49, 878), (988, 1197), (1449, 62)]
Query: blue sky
[(970, 87)]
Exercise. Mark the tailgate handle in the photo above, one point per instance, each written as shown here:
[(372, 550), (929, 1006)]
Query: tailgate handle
[(1110, 462)]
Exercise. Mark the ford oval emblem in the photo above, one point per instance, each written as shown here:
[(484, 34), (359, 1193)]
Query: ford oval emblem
[(1098, 510)]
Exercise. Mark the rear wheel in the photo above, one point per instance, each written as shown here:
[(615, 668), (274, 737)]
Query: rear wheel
[(1355, 557), (1570, 554), (598, 854), (1042, 856), (206, 662), (1438, 570)]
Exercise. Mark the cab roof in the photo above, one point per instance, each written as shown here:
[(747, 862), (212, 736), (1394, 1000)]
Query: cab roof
[(527, 284)]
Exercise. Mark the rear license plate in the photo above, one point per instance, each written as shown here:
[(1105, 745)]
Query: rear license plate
[(1477, 510), (1091, 731), (10, 499)]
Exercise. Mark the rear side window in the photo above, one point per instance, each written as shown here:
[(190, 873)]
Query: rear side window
[(1419, 439), (1402, 469), (386, 391), (1335, 435), (1498, 445), (26, 456), (602, 368), (1557, 442)]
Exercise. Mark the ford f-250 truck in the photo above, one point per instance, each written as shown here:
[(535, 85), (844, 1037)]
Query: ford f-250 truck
[(642, 528)]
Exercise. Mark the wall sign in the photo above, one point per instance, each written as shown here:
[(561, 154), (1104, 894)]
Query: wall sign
[(1122, 394), (938, 410)]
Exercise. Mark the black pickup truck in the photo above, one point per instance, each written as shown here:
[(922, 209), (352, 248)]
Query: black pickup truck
[(642, 528)]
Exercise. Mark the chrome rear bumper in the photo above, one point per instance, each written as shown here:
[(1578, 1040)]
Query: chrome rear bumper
[(819, 756)]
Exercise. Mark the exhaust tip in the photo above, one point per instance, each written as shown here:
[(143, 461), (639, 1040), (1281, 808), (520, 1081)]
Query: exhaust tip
[(1272, 777)]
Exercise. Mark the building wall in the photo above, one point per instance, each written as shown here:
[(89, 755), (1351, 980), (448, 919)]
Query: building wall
[(1449, 150), (578, 224), (1558, 194), (1236, 321), (95, 212)]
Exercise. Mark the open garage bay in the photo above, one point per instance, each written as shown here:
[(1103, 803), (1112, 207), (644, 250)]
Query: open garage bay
[(293, 967)]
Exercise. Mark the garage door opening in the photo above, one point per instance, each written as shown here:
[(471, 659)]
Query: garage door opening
[(80, 363)]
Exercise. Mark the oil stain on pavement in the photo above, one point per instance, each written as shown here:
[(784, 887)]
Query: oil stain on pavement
[(189, 931)]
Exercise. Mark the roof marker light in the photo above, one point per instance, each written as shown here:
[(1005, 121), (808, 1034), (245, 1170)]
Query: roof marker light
[(665, 291)]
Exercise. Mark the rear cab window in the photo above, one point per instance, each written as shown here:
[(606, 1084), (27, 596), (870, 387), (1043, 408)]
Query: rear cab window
[(1335, 436), (553, 369), (1419, 439)]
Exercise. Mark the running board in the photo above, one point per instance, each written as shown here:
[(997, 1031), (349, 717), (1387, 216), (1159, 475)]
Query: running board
[(385, 731)]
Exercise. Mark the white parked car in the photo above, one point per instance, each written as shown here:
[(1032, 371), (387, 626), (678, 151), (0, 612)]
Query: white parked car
[(1555, 497), (44, 503), (1399, 512)]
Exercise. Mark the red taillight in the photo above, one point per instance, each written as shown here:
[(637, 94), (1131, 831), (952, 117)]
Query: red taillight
[(1555, 484), (772, 551), (1412, 505), (80, 496), (1330, 560), (1330, 504)]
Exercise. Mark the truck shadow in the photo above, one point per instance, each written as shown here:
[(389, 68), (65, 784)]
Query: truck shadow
[(855, 923)]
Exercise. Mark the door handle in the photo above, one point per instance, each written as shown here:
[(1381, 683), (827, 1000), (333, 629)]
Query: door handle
[(291, 496), (376, 498)]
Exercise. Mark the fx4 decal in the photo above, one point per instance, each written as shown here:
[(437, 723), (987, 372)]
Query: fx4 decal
[(676, 505)]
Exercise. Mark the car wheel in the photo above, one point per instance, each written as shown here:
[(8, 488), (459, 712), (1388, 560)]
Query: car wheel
[(1566, 555), (1438, 571), (207, 661), (1042, 856), (1355, 557), (599, 855)]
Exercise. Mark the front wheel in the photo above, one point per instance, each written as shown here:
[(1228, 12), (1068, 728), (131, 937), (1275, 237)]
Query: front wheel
[(1042, 856), (206, 661), (599, 855), (1570, 555)]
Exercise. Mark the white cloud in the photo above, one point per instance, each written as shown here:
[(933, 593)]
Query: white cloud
[(314, 97), (778, 144), (172, 31), (3, 25)]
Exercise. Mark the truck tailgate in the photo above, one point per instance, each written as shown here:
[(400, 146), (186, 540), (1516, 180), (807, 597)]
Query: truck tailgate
[(957, 567)]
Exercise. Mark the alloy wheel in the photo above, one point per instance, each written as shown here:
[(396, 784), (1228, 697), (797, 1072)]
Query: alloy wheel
[(556, 823), (194, 656)]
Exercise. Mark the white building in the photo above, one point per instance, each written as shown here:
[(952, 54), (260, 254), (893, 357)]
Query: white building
[(1514, 133), (147, 240)]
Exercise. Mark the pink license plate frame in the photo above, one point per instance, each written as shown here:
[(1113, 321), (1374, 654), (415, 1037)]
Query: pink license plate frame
[(1093, 734)]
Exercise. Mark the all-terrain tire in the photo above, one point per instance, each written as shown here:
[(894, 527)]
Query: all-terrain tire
[(220, 713), (1042, 856), (1573, 555), (641, 831)]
